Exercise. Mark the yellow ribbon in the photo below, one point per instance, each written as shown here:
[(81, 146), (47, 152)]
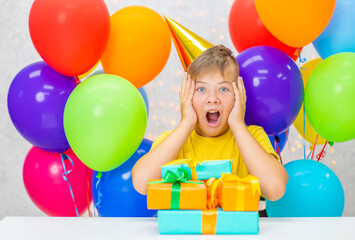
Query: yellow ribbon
[(227, 177), (191, 163), (209, 221), (212, 199)]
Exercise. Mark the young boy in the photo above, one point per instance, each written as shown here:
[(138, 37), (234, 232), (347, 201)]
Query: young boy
[(212, 127)]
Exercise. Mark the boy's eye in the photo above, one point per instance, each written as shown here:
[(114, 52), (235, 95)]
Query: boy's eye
[(200, 89), (224, 89)]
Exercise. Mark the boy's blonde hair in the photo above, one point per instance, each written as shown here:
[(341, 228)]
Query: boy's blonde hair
[(215, 58)]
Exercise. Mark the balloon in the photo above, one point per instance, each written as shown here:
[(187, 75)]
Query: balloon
[(295, 22), (119, 198), (104, 120), (88, 72), (36, 101), (139, 45), (283, 139), (141, 90), (70, 35), (254, 33), (339, 34), (313, 190), (273, 87), (97, 73), (310, 134), (330, 99), (44, 183), (145, 97)]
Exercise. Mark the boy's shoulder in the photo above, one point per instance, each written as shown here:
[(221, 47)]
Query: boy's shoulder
[(161, 137), (165, 134), (255, 129)]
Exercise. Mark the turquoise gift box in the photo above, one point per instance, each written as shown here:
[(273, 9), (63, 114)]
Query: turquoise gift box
[(207, 222), (204, 170)]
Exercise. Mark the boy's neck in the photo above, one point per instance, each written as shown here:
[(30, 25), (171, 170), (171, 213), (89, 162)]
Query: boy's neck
[(203, 134)]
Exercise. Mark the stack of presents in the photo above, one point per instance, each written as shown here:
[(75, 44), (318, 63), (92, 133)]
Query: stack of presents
[(204, 198)]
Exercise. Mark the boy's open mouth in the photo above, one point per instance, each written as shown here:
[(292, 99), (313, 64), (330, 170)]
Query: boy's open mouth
[(212, 117)]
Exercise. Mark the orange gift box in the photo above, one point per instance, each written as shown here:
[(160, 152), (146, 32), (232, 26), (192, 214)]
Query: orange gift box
[(233, 193), (239, 194), (193, 196)]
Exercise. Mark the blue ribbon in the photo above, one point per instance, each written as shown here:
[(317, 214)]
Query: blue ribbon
[(302, 60), (65, 177), (98, 188)]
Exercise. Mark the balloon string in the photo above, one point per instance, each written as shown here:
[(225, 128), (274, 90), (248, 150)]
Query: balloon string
[(88, 191), (322, 153), (278, 149), (304, 131), (309, 154), (314, 147), (65, 177), (302, 60), (98, 188)]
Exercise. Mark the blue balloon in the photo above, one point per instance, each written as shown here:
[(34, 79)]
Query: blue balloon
[(313, 190), (141, 90), (145, 97), (282, 140), (339, 34), (118, 196), (97, 73)]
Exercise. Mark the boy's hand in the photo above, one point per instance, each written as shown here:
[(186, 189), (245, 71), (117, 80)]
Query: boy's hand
[(236, 116), (188, 114)]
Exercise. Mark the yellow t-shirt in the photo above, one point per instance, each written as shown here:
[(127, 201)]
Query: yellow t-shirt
[(220, 148)]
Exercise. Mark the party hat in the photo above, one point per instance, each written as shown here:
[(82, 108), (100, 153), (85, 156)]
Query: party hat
[(187, 44)]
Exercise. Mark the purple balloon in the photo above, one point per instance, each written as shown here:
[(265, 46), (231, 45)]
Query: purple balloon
[(274, 88), (36, 101)]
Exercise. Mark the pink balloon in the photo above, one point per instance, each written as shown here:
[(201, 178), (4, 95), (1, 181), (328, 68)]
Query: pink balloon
[(43, 179)]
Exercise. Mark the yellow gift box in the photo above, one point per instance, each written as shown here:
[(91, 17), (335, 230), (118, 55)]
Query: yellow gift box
[(233, 193), (175, 191)]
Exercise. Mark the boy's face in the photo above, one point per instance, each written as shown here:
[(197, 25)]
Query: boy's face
[(213, 100)]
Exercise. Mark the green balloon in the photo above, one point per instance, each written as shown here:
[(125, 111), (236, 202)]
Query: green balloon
[(104, 121), (330, 98)]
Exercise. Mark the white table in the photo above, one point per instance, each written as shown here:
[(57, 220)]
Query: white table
[(48, 228)]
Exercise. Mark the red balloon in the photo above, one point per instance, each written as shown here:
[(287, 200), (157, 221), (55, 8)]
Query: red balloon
[(43, 179), (247, 30), (70, 35)]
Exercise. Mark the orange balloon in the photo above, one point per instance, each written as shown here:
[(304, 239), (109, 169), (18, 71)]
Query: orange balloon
[(139, 45), (295, 22)]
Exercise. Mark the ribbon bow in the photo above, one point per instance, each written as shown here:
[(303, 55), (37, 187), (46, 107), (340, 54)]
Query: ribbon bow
[(227, 177), (191, 163), (181, 176)]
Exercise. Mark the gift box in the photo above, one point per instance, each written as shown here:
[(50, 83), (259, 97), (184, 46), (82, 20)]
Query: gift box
[(237, 194), (175, 191), (200, 170), (207, 222)]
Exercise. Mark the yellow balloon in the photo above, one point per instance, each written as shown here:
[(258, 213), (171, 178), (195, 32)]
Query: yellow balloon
[(88, 72), (310, 134)]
